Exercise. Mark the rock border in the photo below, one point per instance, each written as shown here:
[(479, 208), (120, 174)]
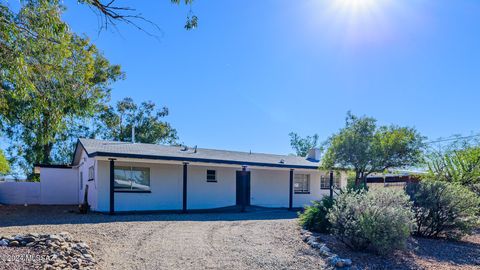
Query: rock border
[(332, 259), (59, 251)]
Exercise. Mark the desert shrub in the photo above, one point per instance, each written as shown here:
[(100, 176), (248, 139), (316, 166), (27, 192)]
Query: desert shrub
[(314, 217), (443, 209), (378, 219)]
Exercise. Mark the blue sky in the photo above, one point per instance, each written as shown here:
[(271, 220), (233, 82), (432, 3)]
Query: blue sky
[(256, 70)]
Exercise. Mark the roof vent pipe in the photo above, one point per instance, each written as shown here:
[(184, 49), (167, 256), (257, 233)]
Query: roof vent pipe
[(133, 133), (195, 151)]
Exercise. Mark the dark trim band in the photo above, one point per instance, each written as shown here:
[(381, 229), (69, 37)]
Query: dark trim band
[(220, 161), (54, 166), (132, 191)]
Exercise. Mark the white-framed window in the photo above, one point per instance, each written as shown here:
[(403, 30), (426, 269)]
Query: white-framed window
[(301, 183), (211, 176), (81, 180), (132, 178), (325, 181), (91, 173)]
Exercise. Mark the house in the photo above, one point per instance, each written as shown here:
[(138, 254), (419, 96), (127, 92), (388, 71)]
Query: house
[(124, 176), (397, 179)]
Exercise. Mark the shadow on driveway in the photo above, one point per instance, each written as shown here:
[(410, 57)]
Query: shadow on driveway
[(14, 215)]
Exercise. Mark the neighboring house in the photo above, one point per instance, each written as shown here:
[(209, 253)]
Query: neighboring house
[(123, 176), (393, 179)]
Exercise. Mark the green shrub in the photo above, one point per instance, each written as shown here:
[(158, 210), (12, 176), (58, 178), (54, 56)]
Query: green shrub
[(314, 217), (443, 209), (380, 219)]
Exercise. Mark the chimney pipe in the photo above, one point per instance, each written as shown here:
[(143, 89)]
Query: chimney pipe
[(133, 133)]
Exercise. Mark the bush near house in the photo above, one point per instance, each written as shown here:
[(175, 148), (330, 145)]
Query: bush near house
[(378, 219), (314, 217), (443, 209)]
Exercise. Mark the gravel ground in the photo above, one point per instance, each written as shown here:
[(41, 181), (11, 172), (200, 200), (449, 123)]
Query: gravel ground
[(19, 258), (263, 239), (421, 253)]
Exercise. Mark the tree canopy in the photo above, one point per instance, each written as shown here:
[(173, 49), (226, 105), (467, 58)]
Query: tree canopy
[(116, 123), (50, 79), (302, 145), (365, 148)]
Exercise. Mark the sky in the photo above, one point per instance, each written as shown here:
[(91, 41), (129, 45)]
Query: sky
[(253, 71)]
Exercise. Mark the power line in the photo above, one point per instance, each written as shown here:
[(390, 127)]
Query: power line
[(454, 138)]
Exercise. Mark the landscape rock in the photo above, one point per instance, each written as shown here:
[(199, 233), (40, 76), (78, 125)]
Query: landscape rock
[(14, 243), (332, 259), (61, 251)]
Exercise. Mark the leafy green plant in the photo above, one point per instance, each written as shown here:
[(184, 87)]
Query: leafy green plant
[(443, 209), (314, 217), (459, 163), (380, 219), (4, 166)]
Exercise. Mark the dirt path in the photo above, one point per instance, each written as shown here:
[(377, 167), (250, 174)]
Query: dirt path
[(259, 240)]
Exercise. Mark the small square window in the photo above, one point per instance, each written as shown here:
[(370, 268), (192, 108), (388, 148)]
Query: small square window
[(325, 181), (91, 173), (302, 184), (211, 176)]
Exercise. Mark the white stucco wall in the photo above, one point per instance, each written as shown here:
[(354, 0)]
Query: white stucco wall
[(269, 188), (165, 184), (205, 195), (59, 186), (85, 164)]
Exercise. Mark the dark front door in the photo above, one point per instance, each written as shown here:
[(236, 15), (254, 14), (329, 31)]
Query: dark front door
[(243, 188)]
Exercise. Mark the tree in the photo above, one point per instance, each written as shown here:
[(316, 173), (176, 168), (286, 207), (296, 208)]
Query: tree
[(50, 79), (365, 148), (303, 145), (4, 166), (113, 13), (458, 163), (116, 123)]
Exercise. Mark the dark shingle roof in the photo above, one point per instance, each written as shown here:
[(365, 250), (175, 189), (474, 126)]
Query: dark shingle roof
[(164, 152)]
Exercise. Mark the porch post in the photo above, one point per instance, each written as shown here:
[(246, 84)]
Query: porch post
[(184, 208), (290, 197), (112, 184), (331, 184), (244, 187)]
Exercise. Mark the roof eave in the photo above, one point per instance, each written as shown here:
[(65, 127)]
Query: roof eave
[(186, 159)]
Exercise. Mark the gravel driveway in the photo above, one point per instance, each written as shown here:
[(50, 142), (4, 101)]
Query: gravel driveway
[(263, 239)]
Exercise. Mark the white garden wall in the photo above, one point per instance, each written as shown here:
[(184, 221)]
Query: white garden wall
[(20, 193), (57, 186)]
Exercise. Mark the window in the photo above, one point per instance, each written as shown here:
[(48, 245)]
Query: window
[(302, 184), (81, 180), (211, 176), (91, 173), (325, 181), (132, 179)]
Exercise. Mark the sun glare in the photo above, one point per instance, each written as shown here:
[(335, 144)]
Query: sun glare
[(356, 8)]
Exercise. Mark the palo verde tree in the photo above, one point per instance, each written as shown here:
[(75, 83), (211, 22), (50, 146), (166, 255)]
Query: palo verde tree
[(50, 79), (458, 162), (364, 148), (302, 145), (147, 120)]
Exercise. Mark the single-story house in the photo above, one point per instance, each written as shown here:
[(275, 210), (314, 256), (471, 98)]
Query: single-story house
[(124, 176)]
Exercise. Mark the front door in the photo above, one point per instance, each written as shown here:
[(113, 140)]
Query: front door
[(243, 192)]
